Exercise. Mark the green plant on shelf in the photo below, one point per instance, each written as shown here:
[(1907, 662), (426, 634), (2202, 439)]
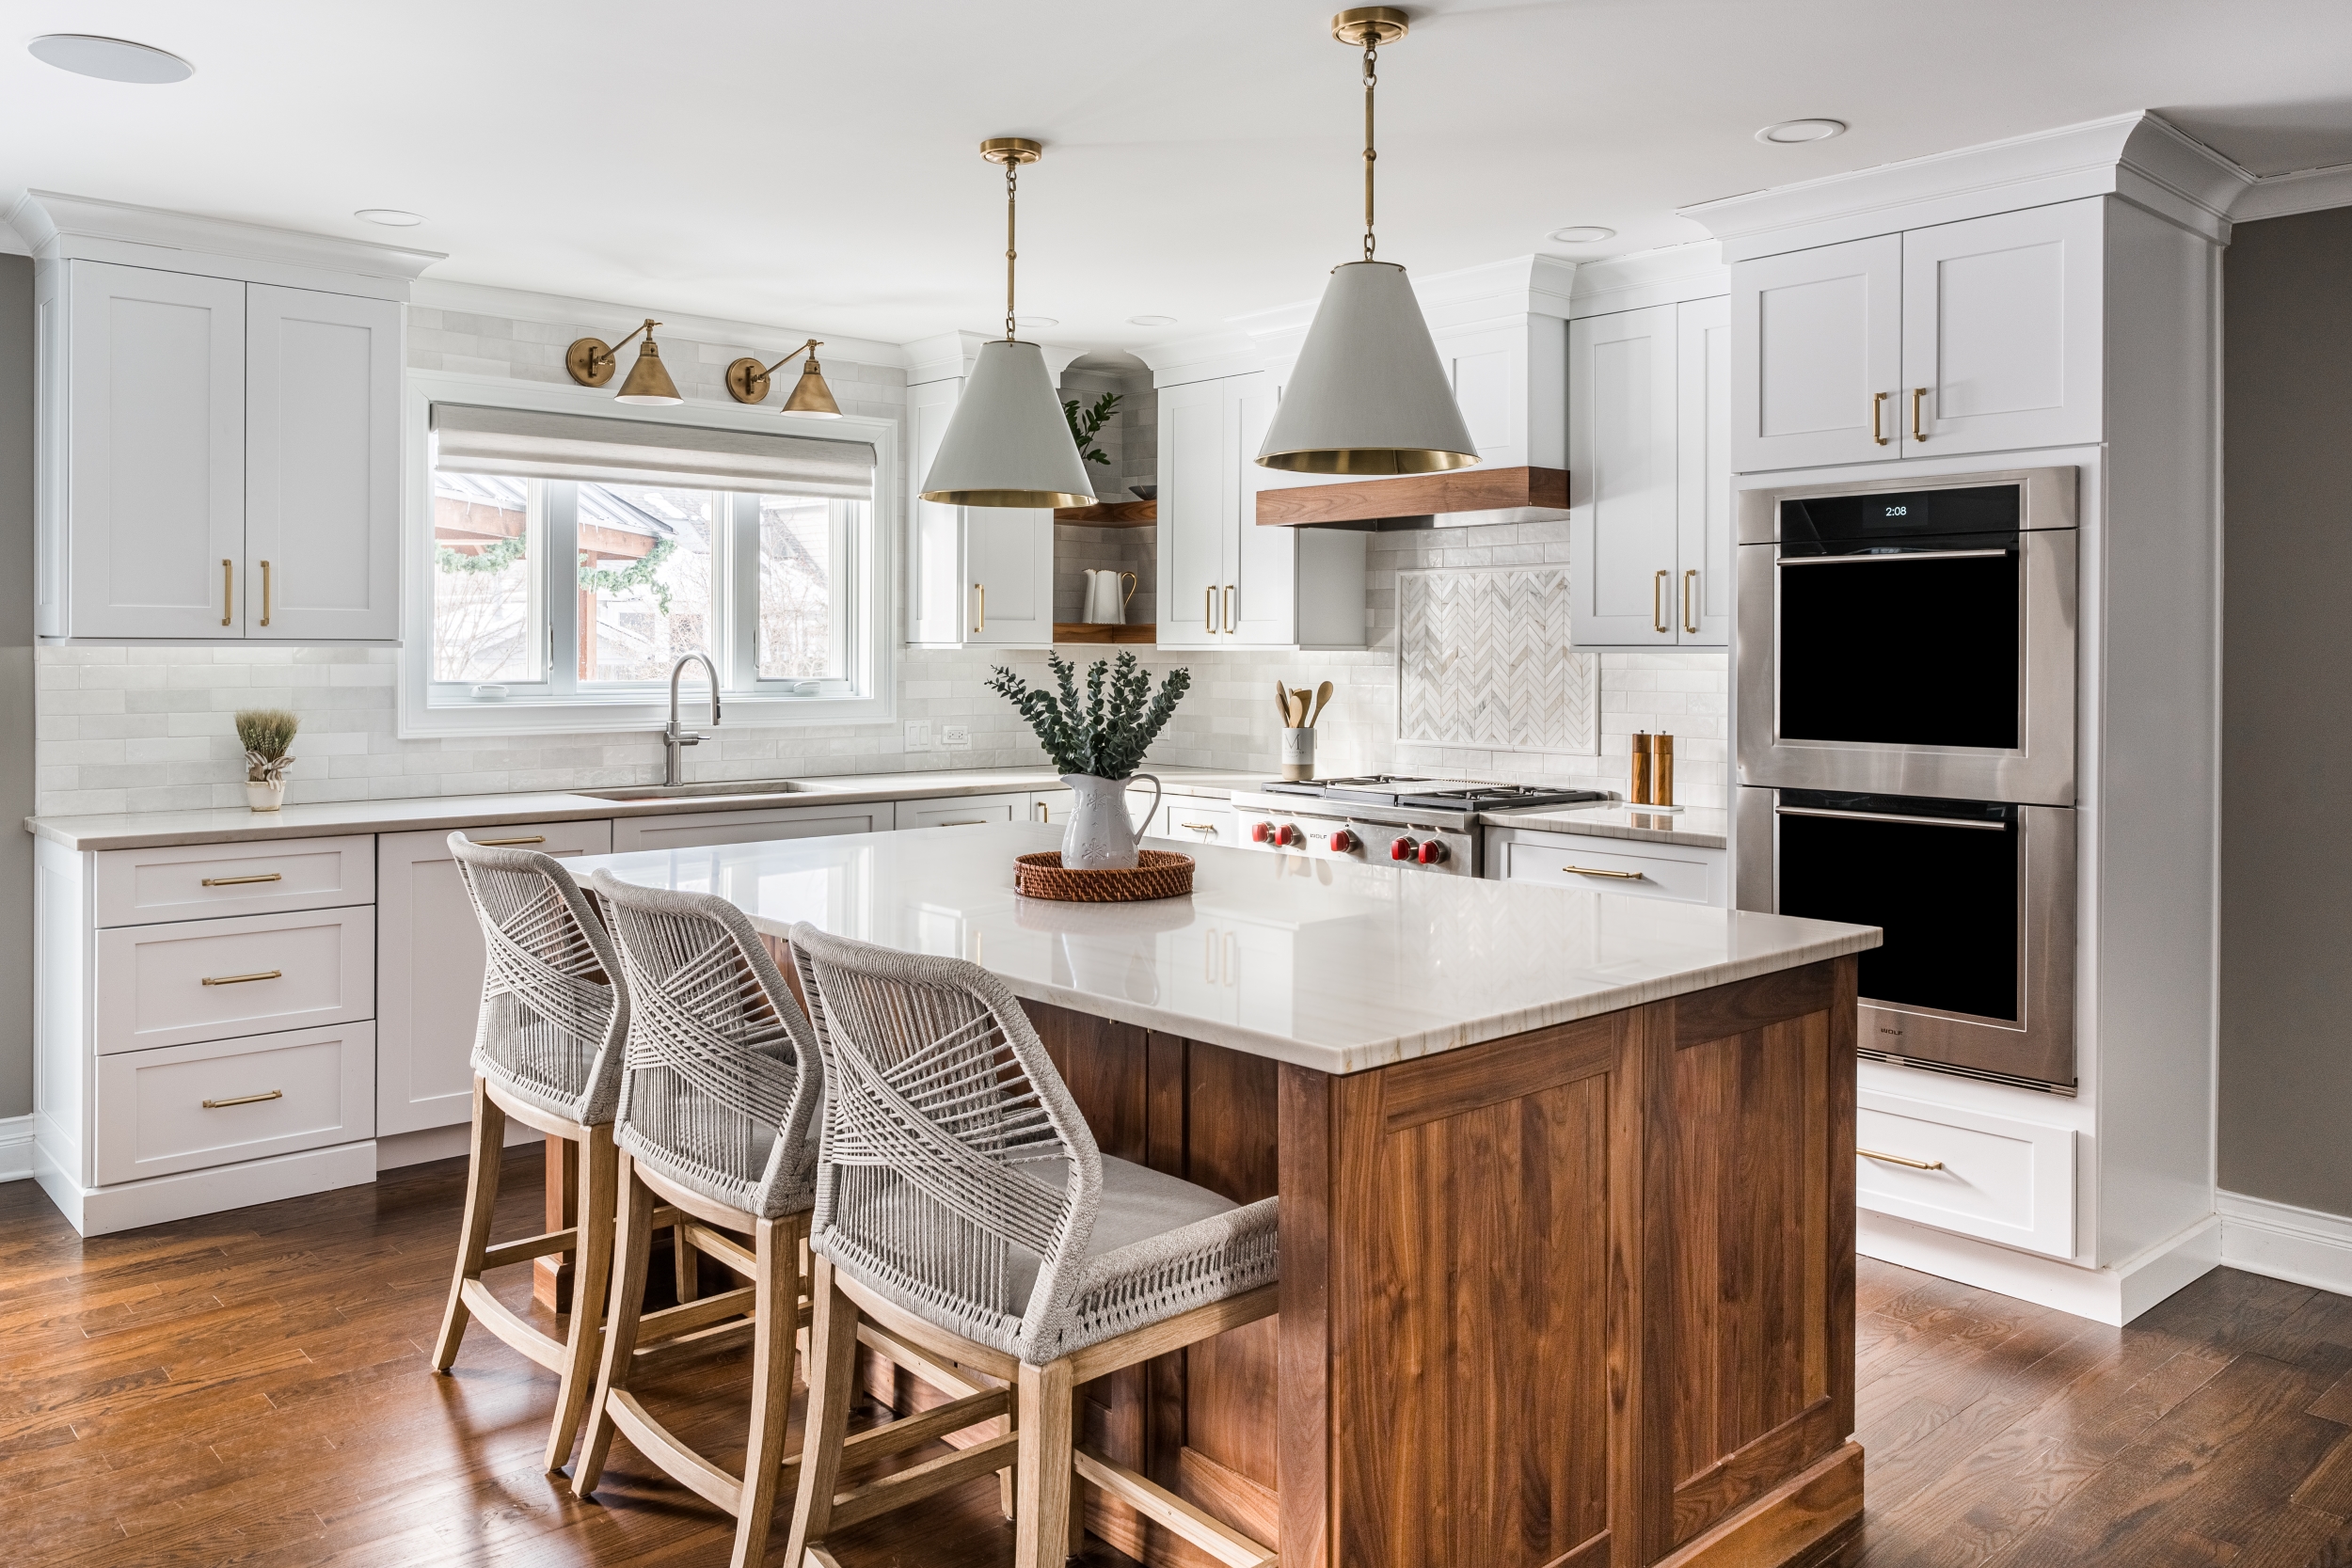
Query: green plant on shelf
[(1087, 422)]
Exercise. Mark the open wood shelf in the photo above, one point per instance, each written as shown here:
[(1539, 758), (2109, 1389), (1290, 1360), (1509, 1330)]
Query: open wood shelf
[(1111, 514), (1090, 631)]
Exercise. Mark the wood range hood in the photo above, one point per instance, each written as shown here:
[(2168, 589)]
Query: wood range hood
[(1457, 499)]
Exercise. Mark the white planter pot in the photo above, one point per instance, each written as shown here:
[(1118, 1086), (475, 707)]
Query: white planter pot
[(265, 796), (1101, 835)]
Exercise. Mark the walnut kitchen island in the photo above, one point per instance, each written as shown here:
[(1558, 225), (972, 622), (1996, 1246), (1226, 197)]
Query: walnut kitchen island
[(1567, 1182)]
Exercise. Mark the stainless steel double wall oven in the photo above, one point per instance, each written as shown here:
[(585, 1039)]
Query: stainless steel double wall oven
[(1905, 663)]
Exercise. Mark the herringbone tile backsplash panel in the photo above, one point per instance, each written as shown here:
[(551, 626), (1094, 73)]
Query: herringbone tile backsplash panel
[(1484, 661)]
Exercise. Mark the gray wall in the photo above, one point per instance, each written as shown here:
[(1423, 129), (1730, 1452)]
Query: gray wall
[(2286, 839), (16, 685)]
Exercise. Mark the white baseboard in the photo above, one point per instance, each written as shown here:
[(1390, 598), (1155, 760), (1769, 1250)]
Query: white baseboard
[(2303, 1246), (101, 1211), (2115, 1294), (16, 1148), (395, 1149)]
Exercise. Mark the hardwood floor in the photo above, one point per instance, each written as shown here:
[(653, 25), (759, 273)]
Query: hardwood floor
[(252, 1388)]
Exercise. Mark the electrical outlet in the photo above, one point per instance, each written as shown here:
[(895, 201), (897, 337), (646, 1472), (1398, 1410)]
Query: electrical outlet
[(955, 737), (919, 736)]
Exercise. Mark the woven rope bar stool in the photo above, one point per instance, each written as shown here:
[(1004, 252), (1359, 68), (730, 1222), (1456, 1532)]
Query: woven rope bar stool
[(964, 1208), (546, 1052)]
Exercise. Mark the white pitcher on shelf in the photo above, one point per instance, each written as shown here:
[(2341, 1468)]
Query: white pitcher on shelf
[(1106, 604)]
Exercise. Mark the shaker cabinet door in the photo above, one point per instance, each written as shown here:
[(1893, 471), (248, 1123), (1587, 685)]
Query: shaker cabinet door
[(154, 511), (1195, 517), (1703, 506), (1816, 358), (2002, 331), (1264, 575), (1622, 483), (1008, 557), (322, 456)]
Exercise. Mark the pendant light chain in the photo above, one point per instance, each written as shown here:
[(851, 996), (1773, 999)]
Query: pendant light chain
[(1372, 81), (1012, 187)]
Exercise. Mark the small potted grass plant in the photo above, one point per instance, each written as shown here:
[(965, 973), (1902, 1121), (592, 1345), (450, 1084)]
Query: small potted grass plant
[(265, 733), (1096, 741)]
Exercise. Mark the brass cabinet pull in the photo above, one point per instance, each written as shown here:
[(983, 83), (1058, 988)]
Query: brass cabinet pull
[(240, 881), (1595, 871), (1209, 828), (979, 592), (508, 843), (1230, 591), (240, 979), (227, 588), (1898, 1160), (1690, 623), (1916, 393), (244, 1098), (1658, 602), (963, 823), (1878, 434), (266, 593), (1208, 608), (1040, 810)]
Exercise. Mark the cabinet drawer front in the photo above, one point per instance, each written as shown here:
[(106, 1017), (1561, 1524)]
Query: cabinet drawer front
[(1190, 820), (1990, 1176), (188, 1106), (266, 971), (697, 829), (1578, 863), (963, 811), (139, 887)]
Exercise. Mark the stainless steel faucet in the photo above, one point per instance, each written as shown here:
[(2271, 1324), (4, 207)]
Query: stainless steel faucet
[(673, 736)]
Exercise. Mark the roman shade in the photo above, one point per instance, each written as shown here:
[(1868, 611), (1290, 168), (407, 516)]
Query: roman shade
[(528, 444)]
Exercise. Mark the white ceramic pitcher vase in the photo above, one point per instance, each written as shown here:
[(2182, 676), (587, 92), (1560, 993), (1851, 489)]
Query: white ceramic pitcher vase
[(1101, 835)]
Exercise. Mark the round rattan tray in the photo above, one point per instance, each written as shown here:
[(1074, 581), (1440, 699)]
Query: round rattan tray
[(1157, 874)]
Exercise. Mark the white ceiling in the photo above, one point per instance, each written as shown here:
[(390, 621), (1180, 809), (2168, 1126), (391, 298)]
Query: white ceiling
[(814, 163)]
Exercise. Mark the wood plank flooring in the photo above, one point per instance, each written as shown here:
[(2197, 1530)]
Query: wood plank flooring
[(252, 1389)]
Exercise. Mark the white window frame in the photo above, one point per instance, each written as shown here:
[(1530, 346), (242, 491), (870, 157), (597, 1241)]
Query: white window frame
[(555, 704)]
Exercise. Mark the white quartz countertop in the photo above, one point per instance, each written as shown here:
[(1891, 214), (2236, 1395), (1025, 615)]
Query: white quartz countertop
[(1694, 827), (237, 825), (1324, 964)]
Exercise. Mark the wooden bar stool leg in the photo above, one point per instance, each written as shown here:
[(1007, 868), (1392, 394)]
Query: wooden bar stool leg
[(1042, 1508), (776, 1301), (595, 1205), (830, 1368), (1077, 1492), (635, 1244), (473, 1235), (685, 1267)]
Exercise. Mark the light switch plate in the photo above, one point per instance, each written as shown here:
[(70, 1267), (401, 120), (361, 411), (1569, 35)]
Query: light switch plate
[(919, 736), (955, 737)]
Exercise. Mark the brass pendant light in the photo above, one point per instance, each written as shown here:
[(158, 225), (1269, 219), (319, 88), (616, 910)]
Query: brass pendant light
[(1007, 443), (1369, 394), (591, 363), (747, 382)]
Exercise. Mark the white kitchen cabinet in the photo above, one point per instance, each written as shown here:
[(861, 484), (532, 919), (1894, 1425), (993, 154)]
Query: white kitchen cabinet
[(1635, 867), (2002, 331), (980, 577), (1964, 1169), (1649, 485), (196, 428), (1197, 819), (1818, 356), (429, 967), (694, 829), (1224, 580), (963, 811)]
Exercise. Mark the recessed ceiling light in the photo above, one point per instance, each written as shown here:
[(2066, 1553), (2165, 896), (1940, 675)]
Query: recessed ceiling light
[(110, 59), (1802, 130), (1151, 321), (390, 217), (1584, 234), (1036, 321)]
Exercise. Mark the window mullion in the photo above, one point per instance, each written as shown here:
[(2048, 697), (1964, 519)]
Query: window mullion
[(739, 627), (561, 501)]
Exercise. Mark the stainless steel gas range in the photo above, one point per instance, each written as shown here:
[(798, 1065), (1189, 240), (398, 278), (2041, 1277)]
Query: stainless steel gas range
[(1424, 824)]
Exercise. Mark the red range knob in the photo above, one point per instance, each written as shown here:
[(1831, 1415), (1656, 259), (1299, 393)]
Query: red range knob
[(1288, 835), (1261, 832), (1401, 849), (1432, 851), (1343, 841)]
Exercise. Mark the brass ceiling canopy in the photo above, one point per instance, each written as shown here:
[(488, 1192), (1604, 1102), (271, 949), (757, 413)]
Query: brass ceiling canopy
[(592, 362), (748, 382), (1372, 25)]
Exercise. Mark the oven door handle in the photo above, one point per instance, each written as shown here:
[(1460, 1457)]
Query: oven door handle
[(1888, 555), (1889, 816)]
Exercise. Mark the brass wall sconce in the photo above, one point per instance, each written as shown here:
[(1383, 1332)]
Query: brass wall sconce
[(747, 382), (592, 363)]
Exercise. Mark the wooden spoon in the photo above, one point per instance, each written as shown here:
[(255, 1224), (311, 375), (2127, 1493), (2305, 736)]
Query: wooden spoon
[(1300, 696), (1323, 695), (1283, 703)]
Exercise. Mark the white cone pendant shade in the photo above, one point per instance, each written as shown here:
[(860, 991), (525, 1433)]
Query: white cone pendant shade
[(1370, 395), (1009, 443)]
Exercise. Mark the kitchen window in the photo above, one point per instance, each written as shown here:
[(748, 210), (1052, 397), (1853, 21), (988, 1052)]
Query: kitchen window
[(568, 561)]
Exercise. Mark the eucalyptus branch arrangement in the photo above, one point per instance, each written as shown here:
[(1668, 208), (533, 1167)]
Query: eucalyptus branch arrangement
[(265, 733), (1088, 422), (1106, 731)]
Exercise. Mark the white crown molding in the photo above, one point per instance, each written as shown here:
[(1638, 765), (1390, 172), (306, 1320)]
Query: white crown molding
[(602, 317), (55, 226), (2304, 190), (2305, 1246), (2138, 157), (1663, 276)]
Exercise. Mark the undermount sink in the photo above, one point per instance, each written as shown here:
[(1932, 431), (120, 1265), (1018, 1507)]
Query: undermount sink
[(633, 793)]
